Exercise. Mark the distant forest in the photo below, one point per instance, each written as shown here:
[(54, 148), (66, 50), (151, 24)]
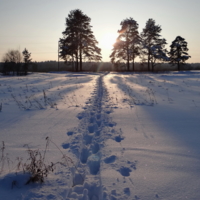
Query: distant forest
[(48, 66)]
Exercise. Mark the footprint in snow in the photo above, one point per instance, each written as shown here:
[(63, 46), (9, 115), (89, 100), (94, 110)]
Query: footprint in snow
[(84, 155), (124, 171), (118, 138), (98, 116), (65, 146), (91, 128), (94, 164), (92, 120), (70, 133), (88, 139), (80, 116), (110, 159), (127, 191), (112, 124), (95, 148)]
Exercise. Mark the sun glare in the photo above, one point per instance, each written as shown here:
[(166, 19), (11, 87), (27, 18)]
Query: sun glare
[(108, 40)]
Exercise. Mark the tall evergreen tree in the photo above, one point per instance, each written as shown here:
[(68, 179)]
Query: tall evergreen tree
[(27, 56), (78, 41), (27, 60), (178, 52), (127, 43), (153, 45)]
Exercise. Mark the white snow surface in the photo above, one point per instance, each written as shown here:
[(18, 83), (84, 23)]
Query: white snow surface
[(130, 135)]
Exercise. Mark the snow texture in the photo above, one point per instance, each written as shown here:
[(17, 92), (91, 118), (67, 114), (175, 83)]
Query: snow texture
[(130, 135)]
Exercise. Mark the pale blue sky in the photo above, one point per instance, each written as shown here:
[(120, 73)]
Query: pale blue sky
[(38, 24)]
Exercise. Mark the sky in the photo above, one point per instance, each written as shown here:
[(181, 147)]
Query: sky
[(37, 25)]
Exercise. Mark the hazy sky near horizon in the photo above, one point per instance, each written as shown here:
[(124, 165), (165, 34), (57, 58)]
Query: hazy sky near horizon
[(38, 24)]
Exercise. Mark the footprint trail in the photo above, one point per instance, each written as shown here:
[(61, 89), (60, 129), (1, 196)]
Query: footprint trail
[(87, 143)]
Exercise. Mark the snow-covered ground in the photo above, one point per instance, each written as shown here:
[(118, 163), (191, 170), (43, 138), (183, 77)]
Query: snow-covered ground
[(130, 135)]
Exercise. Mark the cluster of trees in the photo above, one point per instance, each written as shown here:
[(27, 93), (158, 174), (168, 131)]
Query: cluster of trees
[(79, 43), (16, 62), (149, 46)]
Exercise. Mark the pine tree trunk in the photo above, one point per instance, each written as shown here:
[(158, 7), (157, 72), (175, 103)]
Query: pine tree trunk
[(73, 63), (178, 66), (133, 65), (80, 57), (128, 63), (152, 66), (77, 62), (149, 61), (178, 58)]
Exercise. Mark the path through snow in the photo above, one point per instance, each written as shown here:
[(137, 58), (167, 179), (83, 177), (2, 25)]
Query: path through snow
[(88, 141)]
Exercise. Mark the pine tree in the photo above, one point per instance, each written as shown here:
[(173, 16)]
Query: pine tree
[(27, 56), (178, 52), (78, 41), (127, 43), (152, 48), (27, 60)]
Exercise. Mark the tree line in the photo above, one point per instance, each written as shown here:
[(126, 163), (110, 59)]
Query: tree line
[(79, 43)]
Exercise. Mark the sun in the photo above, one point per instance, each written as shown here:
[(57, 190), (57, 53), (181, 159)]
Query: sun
[(107, 40)]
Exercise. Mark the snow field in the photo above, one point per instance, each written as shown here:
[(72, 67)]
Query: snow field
[(31, 126), (130, 135), (164, 136)]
